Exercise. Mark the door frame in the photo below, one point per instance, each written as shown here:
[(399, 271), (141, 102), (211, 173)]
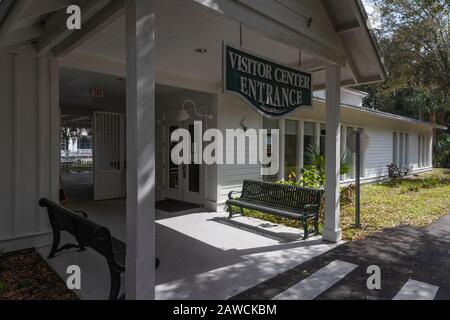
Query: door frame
[(183, 194), (119, 172)]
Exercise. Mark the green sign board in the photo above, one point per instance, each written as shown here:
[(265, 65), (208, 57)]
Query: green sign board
[(272, 89)]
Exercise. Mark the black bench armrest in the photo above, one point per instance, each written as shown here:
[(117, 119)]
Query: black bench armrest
[(230, 195), (84, 214), (311, 206)]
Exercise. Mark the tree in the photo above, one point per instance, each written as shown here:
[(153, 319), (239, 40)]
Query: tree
[(414, 38)]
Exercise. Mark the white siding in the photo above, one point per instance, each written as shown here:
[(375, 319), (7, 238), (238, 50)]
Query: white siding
[(379, 153), (231, 110), (29, 165)]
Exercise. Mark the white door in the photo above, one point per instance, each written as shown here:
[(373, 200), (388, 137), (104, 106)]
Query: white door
[(184, 182), (109, 155)]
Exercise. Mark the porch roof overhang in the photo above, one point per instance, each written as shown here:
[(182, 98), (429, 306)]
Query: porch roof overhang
[(387, 115), (348, 41), (351, 23)]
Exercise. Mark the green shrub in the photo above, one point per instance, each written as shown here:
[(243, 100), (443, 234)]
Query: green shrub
[(430, 182), (409, 187), (313, 175)]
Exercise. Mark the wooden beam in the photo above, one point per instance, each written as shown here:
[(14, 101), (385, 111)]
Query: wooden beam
[(353, 68), (354, 25), (103, 18), (56, 28), (21, 36), (13, 16), (41, 7), (247, 12)]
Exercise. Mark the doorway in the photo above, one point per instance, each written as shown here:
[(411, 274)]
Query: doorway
[(109, 156), (76, 176), (184, 182)]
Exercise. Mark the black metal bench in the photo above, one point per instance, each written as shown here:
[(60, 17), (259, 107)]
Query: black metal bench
[(88, 234), (286, 201)]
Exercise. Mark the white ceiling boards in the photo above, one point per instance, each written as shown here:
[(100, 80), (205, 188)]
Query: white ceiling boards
[(182, 27), (189, 34)]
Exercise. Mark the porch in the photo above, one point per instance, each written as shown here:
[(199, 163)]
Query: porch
[(143, 44), (203, 255)]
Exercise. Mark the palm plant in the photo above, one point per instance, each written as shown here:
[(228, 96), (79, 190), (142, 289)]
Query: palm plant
[(313, 175)]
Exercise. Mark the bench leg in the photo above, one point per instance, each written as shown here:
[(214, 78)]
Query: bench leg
[(230, 212), (115, 284), (55, 244), (316, 224), (305, 228)]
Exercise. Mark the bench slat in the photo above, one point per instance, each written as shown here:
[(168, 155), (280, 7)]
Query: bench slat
[(287, 201)]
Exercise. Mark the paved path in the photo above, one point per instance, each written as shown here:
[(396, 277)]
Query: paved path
[(414, 263)]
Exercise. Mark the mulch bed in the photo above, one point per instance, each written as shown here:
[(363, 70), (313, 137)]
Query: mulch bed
[(24, 275)]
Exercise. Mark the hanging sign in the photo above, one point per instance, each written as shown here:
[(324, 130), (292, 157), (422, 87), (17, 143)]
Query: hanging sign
[(271, 88)]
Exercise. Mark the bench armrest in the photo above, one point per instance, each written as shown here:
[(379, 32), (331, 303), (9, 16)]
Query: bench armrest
[(311, 206), (230, 195), (84, 214)]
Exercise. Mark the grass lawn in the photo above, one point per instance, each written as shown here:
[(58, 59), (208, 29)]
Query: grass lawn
[(417, 201)]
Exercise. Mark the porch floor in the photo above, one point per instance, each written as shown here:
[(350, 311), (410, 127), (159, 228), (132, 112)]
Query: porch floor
[(203, 256)]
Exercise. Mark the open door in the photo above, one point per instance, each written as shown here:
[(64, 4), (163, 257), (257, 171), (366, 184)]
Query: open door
[(109, 155)]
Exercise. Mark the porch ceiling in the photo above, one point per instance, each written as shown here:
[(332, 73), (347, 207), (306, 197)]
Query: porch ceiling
[(182, 27)]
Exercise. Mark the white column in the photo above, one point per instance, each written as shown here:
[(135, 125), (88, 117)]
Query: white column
[(317, 135), (300, 145), (48, 134), (282, 125), (140, 261), (332, 232), (55, 130)]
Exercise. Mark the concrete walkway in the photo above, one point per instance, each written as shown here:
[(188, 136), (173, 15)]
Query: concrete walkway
[(414, 263), (203, 255)]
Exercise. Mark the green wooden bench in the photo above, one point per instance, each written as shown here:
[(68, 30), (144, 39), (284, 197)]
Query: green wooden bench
[(286, 201)]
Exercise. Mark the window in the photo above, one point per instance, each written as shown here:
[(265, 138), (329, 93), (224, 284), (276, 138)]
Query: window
[(394, 148), (270, 124), (351, 174), (64, 144), (323, 134), (84, 143), (423, 147), (362, 160), (400, 149), (345, 133), (308, 141), (290, 147)]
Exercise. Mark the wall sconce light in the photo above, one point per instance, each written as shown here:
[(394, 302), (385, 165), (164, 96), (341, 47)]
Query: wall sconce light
[(183, 115)]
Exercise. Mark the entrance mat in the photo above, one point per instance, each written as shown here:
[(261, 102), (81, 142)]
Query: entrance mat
[(173, 206)]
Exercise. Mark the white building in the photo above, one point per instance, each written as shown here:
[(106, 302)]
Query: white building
[(170, 51)]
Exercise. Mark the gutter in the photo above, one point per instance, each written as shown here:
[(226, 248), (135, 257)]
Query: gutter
[(388, 115)]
